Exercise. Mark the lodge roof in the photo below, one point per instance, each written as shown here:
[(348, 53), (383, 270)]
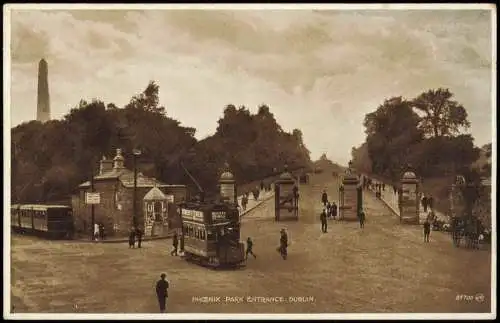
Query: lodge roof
[(155, 194), (126, 177)]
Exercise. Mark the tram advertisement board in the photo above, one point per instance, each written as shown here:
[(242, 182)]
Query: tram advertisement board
[(219, 216)]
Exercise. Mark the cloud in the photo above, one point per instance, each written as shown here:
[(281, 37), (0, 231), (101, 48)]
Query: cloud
[(318, 71)]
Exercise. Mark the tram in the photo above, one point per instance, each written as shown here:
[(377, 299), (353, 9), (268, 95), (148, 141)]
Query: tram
[(211, 233), (48, 221)]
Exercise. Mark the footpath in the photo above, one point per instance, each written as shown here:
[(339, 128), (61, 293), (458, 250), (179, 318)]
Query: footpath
[(252, 204), (391, 198)]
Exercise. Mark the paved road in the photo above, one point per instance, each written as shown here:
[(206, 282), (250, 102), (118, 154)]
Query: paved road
[(384, 268)]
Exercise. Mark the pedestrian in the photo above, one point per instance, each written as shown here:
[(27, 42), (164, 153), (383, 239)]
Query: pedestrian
[(427, 230), (261, 185), (282, 249), (96, 231), (139, 237), (175, 244), (162, 292), (131, 238), (324, 198), (295, 191), (328, 209), (334, 210), (249, 248), (383, 186), (362, 218), (101, 231), (430, 202), (244, 202), (424, 203), (324, 224)]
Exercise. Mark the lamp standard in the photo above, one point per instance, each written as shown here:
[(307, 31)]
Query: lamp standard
[(136, 153)]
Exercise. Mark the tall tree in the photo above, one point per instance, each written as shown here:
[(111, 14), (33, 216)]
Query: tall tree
[(391, 130), (442, 116), (148, 100)]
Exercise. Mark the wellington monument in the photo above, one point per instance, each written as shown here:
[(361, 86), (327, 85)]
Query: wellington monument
[(43, 100)]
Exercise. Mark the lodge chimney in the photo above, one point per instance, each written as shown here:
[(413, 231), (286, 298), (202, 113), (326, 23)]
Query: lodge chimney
[(106, 165), (118, 160)]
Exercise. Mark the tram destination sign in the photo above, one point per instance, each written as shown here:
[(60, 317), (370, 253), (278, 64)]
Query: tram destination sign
[(192, 215)]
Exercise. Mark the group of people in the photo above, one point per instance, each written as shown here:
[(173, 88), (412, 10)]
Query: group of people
[(329, 210), (134, 233), (98, 231)]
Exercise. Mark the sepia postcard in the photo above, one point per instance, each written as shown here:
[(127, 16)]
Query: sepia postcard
[(249, 161)]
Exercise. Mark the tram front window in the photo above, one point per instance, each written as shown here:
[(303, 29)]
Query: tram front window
[(211, 236)]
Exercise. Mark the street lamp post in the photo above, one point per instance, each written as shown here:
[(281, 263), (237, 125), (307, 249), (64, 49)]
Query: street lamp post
[(136, 153)]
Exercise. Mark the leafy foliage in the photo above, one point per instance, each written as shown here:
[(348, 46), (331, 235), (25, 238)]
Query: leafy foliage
[(442, 115), (423, 133), (50, 160)]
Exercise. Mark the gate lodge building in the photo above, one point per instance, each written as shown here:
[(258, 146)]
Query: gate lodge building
[(155, 201)]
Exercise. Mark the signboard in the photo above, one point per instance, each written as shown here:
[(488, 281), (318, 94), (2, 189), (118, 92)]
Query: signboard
[(217, 216), (192, 215), (227, 190), (92, 198), (286, 190)]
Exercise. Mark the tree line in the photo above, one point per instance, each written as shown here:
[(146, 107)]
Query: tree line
[(426, 134), (49, 160)]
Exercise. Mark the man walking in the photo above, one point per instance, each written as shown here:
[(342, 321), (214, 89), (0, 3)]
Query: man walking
[(362, 219), (249, 248), (430, 202), (175, 244), (424, 203), (324, 224), (324, 198), (131, 238), (162, 292), (139, 237), (427, 230), (283, 244)]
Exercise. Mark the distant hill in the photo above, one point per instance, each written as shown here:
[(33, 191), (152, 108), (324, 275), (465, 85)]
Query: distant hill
[(323, 164)]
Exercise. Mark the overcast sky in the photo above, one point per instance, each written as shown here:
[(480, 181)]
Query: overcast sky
[(319, 71)]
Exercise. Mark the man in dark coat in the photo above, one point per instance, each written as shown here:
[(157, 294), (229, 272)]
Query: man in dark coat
[(175, 244), (427, 230), (162, 292), (324, 223), (295, 191), (283, 244), (139, 237), (131, 238), (430, 203), (324, 198), (361, 219), (249, 248), (334, 209), (424, 203)]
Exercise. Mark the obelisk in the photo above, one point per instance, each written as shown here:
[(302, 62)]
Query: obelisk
[(43, 103)]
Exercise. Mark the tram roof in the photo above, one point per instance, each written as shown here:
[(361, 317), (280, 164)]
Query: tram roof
[(39, 206)]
